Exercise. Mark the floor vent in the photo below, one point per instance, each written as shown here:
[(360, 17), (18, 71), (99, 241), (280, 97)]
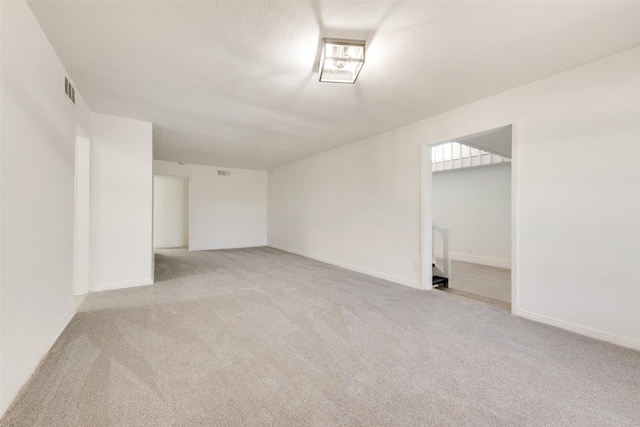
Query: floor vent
[(225, 173), (69, 90)]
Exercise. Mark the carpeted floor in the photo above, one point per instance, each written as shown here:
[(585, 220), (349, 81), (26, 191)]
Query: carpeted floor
[(262, 337), (481, 282)]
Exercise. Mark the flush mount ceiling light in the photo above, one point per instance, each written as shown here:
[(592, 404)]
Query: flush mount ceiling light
[(341, 60)]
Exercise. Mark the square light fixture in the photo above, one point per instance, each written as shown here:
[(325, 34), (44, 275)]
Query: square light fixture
[(341, 60)]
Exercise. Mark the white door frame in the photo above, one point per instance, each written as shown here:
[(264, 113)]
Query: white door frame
[(426, 218)]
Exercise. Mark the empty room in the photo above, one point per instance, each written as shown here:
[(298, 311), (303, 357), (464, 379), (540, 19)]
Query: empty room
[(319, 213)]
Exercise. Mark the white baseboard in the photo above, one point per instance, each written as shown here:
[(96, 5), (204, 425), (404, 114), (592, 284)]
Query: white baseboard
[(582, 330), (482, 260), (121, 285), (477, 259), (14, 388), (78, 300), (217, 248), (362, 270)]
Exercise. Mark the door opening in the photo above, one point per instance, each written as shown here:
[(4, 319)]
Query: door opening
[(468, 199), (170, 212)]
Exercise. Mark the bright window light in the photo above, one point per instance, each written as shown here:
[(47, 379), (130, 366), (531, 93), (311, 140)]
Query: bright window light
[(447, 152)]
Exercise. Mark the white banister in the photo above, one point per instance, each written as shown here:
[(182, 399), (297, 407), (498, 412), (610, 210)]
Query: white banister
[(454, 155), (446, 258)]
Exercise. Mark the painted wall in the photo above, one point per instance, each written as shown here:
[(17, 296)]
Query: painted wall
[(357, 206), (37, 197), (576, 181), (475, 205), (121, 203), (224, 211), (82, 213), (170, 211)]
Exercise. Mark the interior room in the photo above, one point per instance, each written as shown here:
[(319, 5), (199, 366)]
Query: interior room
[(324, 213)]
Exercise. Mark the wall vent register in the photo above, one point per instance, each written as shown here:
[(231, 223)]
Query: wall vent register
[(69, 90), (224, 173)]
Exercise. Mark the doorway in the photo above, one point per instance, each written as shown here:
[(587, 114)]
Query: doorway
[(470, 198), (170, 212)]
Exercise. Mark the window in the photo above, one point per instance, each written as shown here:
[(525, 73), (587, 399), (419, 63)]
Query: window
[(454, 155)]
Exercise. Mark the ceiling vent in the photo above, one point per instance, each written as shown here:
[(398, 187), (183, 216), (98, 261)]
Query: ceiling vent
[(69, 90), (225, 173)]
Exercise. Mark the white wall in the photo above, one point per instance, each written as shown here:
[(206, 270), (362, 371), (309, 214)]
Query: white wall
[(37, 197), (576, 175), (82, 213), (170, 211), (121, 203), (475, 205), (357, 206), (224, 211)]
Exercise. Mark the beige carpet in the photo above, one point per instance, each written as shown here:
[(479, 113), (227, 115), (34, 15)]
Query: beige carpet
[(261, 337), (491, 285)]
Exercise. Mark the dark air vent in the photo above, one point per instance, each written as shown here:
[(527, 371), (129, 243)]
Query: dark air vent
[(225, 173), (69, 90)]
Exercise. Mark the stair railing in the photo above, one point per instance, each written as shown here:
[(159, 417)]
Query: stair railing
[(446, 257)]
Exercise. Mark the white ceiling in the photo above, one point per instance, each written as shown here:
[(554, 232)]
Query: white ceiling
[(235, 83), (496, 141)]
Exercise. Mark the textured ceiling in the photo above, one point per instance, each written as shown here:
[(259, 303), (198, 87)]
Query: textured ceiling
[(496, 141), (235, 83)]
